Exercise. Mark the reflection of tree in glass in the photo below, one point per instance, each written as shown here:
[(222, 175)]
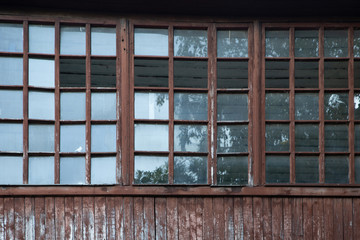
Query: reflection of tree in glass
[(232, 139), (335, 43), (190, 106), (190, 43), (232, 170), (232, 43), (306, 43), (277, 43), (277, 137), (336, 106), (190, 170), (158, 176), (192, 138)]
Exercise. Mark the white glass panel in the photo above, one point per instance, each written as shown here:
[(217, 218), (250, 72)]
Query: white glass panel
[(11, 37), (72, 170), (41, 138), (72, 138), (11, 71), (11, 104), (41, 170), (41, 72), (151, 105), (103, 138), (151, 170), (72, 40), (232, 43), (103, 106), (103, 41), (190, 43), (103, 170), (41, 39), (11, 137), (41, 105), (151, 42), (11, 170), (72, 106), (151, 137)]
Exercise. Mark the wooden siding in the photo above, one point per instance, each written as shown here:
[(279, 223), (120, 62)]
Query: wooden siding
[(179, 218)]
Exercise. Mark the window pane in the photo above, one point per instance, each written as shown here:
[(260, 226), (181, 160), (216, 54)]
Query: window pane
[(190, 43), (306, 106), (277, 43), (190, 138), (72, 72), (336, 43), (190, 170), (306, 138), (41, 39), (11, 70), (41, 72), (103, 106), (307, 169), (151, 42), (356, 74), (232, 74), (41, 170), (336, 169), (151, 137), (103, 41), (336, 138), (306, 74), (336, 106), (277, 137), (190, 106), (232, 107), (306, 43), (191, 74), (151, 170), (103, 170), (357, 138), (277, 106), (276, 74), (103, 138), (277, 169), (41, 138), (336, 74), (232, 138), (151, 73), (72, 40), (232, 170), (232, 43), (72, 106), (72, 138), (357, 169), (357, 43), (103, 73), (11, 104), (11, 138), (72, 170), (41, 105), (11, 37), (357, 105), (151, 105), (11, 170)]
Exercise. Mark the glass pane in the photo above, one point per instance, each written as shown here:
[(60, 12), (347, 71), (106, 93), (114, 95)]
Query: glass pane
[(11, 138), (357, 169), (190, 106), (277, 169), (103, 170), (72, 40), (190, 138), (103, 138), (41, 39), (72, 138), (103, 41), (357, 138), (151, 42), (11, 70), (306, 106), (11, 170), (277, 106), (232, 74), (151, 105), (232, 107), (72, 170), (151, 137), (72, 72), (151, 73), (277, 137), (232, 138), (103, 73), (11, 37), (306, 74), (41, 170), (103, 106), (357, 105), (306, 43), (276, 74), (336, 169), (356, 74), (306, 138), (41, 138), (72, 105), (357, 43), (190, 170), (190, 43), (232, 170), (232, 43), (151, 170), (336, 138), (307, 169), (277, 43), (336, 74), (11, 104), (41, 105), (191, 74), (336, 106), (336, 43), (41, 72)]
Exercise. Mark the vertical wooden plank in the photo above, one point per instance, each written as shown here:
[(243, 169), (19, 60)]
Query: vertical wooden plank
[(69, 219), (149, 218), (78, 217), (287, 211), (19, 217), (50, 218), (9, 218), (110, 218), (100, 218), (267, 219), (119, 213), (238, 218), (199, 217), (329, 218), (88, 218), (128, 218), (39, 218), (297, 219), (338, 219), (229, 217), (160, 218), (318, 213), (219, 224), (356, 218), (184, 221), (29, 218), (248, 218), (277, 218), (172, 229), (2, 225), (308, 220), (208, 219), (60, 217), (138, 217), (258, 220), (348, 218), (192, 216)]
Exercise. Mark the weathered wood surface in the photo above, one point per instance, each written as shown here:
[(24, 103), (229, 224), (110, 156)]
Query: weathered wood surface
[(179, 218)]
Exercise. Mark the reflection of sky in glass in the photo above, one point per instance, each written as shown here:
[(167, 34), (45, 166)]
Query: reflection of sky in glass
[(72, 138), (72, 170), (151, 137), (190, 43), (41, 105), (232, 43), (103, 41), (103, 170), (11, 37), (41, 39), (151, 41), (149, 163), (11, 71), (11, 170), (72, 40), (11, 138), (41, 72), (41, 170), (151, 105), (11, 104)]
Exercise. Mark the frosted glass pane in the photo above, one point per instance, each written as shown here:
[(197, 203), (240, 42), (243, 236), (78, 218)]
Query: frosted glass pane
[(151, 170), (11, 137), (103, 138), (357, 169), (151, 73), (72, 40), (190, 43), (103, 170), (277, 106), (190, 106), (41, 105), (11, 37), (41, 138), (190, 170), (72, 170), (41, 170), (72, 72), (306, 106), (103, 72), (103, 41), (190, 138), (11, 104), (336, 169), (306, 74), (336, 138), (336, 43), (336, 106), (232, 43), (11, 170), (41, 39), (306, 43), (11, 71), (357, 138), (151, 137), (232, 74), (306, 169), (41, 72), (103, 106), (232, 170), (336, 74), (306, 138), (190, 74), (232, 138), (357, 43), (277, 74), (72, 138), (277, 43), (357, 105), (151, 105), (232, 107), (72, 106), (277, 137), (151, 41), (277, 169)]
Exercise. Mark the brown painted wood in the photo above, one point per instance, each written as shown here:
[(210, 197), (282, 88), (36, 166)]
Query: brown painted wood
[(183, 218), (356, 218), (229, 218), (50, 219), (329, 218), (172, 218), (128, 218), (258, 218), (277, 218), (88, 106), (348, 218), (318, 213), (60, 217), (25, 103), (267, 218), (219, 218), (78, 217), (160, 218), (338, 219), (120, 218), (287, 217), (297, 219), (100, 218), (29, 218), (69, 218), (19, 211), (39, 218), (2, 224), (9, 218), (149, 218), (208, 229), (199, 211), (110, 218), (308, 218), (138, 217), (248, 218), (88, 218), (57, 105)]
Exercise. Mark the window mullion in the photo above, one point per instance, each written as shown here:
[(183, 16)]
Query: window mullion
[(321, 108), (57, 103), (292, 104), (88, 108), (351, 106), (25, 102), (171, 105)]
